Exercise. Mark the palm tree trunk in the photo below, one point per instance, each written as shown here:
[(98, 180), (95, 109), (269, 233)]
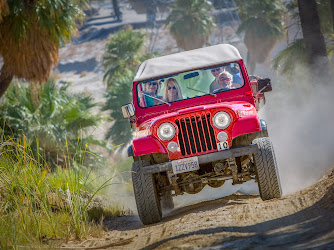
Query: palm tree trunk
[(5, 79), (314, 41), (332, 8), (251, 64)]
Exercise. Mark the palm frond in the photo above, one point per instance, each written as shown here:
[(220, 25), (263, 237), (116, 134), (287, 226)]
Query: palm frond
[(291, 57), (53, 117), (122, 54), (330, 45), (121, 93)]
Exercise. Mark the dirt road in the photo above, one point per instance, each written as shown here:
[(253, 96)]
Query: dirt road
[(301, 220)]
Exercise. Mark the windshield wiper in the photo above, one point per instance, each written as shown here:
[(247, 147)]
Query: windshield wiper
[(157, 99), (202, 91)]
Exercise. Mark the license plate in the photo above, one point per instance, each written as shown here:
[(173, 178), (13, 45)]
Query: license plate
[(222, 146), (185, 165)]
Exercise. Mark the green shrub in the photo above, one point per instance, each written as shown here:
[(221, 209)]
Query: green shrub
[(51, 119)]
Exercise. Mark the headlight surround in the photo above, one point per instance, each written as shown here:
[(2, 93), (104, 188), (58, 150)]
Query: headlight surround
[(221, 120), (166, 131)]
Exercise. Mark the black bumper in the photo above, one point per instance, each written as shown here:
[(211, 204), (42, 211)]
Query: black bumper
[(221, 155)]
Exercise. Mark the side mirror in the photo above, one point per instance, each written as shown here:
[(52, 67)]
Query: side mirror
[(264, 85), (128, 110)]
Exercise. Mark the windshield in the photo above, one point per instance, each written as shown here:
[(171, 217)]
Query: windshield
[(186, 85)]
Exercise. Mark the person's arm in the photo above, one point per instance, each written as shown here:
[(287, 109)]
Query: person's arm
[(142, 98), (212, 86)]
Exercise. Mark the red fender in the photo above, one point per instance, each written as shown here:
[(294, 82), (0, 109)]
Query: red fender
[(147, 145), (245, 125)]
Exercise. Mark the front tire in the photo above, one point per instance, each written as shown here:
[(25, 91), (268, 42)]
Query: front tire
[(145, 191), (266, 170)]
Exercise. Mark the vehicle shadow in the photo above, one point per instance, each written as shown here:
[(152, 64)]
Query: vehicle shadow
[(132, 222), (207, 205), (312, 227)]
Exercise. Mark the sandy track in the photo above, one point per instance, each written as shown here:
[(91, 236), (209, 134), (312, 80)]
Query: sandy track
[(301, 220)]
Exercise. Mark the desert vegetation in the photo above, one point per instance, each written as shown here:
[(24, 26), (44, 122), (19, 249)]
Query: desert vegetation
[(49, 176)]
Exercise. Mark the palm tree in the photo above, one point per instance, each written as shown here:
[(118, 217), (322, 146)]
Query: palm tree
[(190, 23), (30, 34), (122, 54), (314, 40), (120, 94), (263, 27), (296, 55)]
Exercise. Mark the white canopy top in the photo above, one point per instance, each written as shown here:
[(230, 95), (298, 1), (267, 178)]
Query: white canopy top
[(185, 61)]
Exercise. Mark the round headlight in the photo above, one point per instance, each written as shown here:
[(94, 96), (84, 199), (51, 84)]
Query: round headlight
[(221, 120), (166, 131)]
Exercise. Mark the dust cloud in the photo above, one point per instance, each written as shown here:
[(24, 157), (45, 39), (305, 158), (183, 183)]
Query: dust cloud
[(300, 120)]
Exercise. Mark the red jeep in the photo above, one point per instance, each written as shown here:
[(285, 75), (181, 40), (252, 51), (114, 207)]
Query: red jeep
[(196, 122)]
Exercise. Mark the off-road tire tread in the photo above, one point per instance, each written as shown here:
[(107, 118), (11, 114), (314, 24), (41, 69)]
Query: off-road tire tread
[(266, 168), (147, 200)]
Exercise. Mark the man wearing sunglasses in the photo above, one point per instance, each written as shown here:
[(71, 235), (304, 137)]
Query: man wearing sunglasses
[(225, 82), (215, 72)]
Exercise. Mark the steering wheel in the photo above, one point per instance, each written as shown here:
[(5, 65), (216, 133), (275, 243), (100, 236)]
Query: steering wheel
[(220, 90)]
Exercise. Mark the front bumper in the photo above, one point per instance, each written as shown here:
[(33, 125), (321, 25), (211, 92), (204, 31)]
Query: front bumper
[(216, 156)]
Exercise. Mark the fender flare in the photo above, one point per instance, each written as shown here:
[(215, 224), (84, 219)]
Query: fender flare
[(147, 145)]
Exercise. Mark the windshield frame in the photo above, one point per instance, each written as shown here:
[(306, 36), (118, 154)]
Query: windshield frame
[(212, 95)]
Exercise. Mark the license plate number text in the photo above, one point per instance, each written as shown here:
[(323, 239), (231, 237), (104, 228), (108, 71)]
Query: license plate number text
[(185, 165)]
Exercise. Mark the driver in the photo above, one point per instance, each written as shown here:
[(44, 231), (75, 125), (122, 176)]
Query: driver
[(224, 81)]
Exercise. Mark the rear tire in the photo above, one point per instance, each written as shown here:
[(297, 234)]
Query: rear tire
[(167, 202), (145, 191), (266, 170)]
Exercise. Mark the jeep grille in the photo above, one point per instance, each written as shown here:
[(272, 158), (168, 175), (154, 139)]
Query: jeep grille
[(196, 134)]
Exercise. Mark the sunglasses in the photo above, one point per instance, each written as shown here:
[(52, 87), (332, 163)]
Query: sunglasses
[(216, 70), (152, 83), (169, 87), (225, 79)]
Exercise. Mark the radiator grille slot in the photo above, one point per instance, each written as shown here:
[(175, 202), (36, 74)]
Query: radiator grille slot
[(196, 134)]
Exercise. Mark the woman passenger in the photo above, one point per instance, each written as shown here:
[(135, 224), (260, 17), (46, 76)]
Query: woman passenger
[(172, 91)]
